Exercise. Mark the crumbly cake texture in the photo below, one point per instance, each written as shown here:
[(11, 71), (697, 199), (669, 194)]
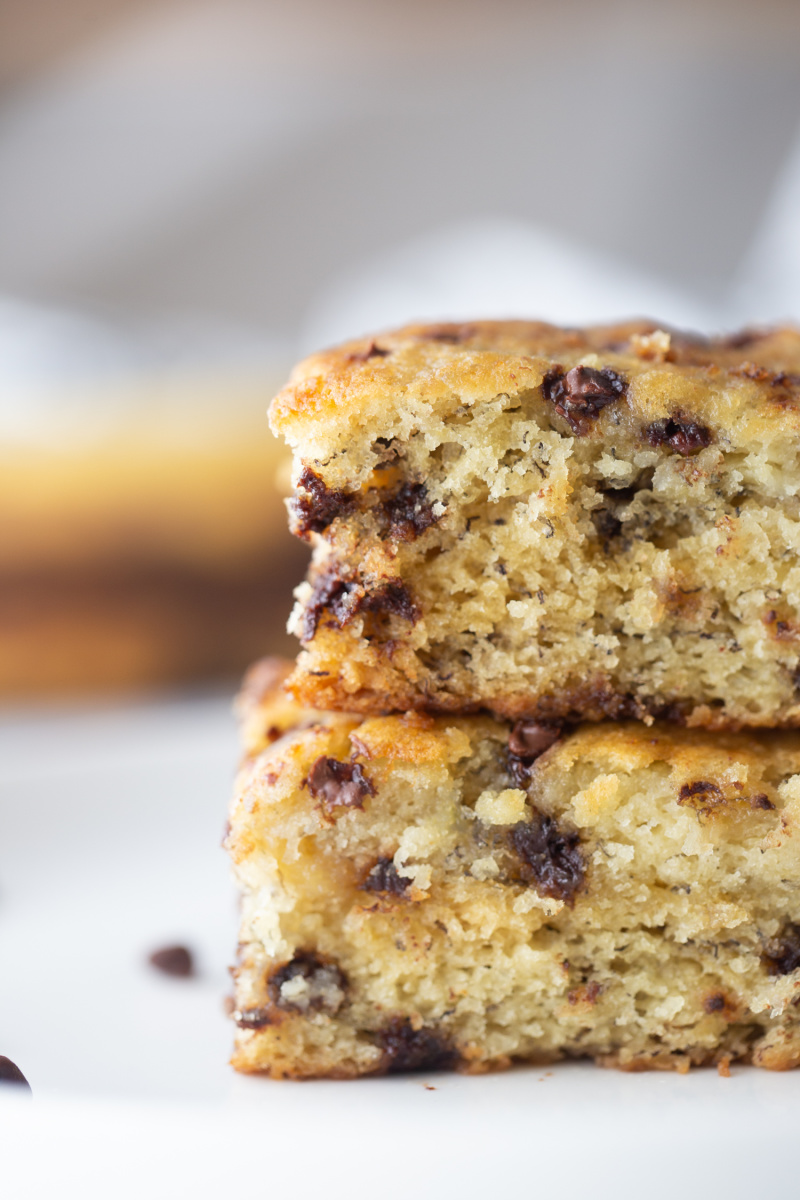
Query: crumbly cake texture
[(550, 523), (430, 893)]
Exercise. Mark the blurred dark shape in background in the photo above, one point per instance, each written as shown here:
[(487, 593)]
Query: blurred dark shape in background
[(245, 177)]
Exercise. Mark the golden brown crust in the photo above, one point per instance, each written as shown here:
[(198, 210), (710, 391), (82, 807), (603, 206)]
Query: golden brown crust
[(495, 355)]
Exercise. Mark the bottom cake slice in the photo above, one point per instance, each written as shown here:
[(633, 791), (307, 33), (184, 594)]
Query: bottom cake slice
[(427, 893)]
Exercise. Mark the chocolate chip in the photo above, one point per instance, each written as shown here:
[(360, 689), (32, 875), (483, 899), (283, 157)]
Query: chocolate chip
[(550, 856), (173, 960), (391, 597), (702, 795), (314, 511), (406, 514), (339, 784), (449, 334), (408, 1049), (761, 802), (323, 984), (346, 598), (581, 394), (373, 350), (715, 1002), (383, 877), (329, 589), (782, 955), (746, 337), (253, 1018), (529, 739), (10, 1073), (608, 527), (681, 433)]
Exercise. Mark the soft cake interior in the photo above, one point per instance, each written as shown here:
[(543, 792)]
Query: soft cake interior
[(591, 532), (417, 894)]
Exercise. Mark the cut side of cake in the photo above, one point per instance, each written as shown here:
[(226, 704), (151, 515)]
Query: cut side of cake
[(424, 893), (546, 523)]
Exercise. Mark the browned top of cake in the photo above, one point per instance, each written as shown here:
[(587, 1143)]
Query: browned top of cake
[(498, 354)]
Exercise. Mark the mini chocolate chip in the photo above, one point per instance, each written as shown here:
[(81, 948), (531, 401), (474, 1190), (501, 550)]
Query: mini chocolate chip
[(325, 983), (321, 505), (173, 960), (702, 795), (519, 769), (782, 955), (10, 1073), (339, 784), (407, 513), (383, 877), (761, 801), (408, 1049), (329, 589), (581, 394), (449, 334), (346, 598), (551, 858), (681, 433), (714, 1003), (252, 1018), (373, 350), (529, 739), (391, 597), (745, 337), (608, 527)]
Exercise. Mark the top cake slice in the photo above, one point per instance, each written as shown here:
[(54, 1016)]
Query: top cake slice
[(551, 523)]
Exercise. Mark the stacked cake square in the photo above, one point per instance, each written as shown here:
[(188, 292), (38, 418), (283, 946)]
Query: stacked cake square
[(530, 790)]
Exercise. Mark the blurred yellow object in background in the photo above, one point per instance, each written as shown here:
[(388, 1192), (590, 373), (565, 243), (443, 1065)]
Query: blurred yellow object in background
[(146, 545)]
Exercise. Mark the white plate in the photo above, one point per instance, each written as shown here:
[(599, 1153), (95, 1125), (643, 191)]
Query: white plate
[(110, 824)]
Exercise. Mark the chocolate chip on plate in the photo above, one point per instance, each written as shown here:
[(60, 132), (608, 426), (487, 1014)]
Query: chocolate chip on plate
[(10, 1073), (173, 960)]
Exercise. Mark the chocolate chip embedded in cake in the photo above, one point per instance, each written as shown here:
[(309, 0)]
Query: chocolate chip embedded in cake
[(550, 524), (411, 901)]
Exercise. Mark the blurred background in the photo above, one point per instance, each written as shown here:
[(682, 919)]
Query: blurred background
[(196, 192)]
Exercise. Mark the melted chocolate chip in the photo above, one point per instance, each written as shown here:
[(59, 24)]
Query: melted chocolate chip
[(314, 511), (173, 960), (761, 802), (383, 877), (714, 1003), (10, 1073), (681, 433), (325, 984), (550, 856), (782, 955), (702, 795), (346, 598), (528, 739), (407, 514), (581, 394), (392, 597), (407, 1049), (339, 784), (329, 592)]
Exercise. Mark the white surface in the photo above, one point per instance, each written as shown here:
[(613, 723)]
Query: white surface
[(109, 847)]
